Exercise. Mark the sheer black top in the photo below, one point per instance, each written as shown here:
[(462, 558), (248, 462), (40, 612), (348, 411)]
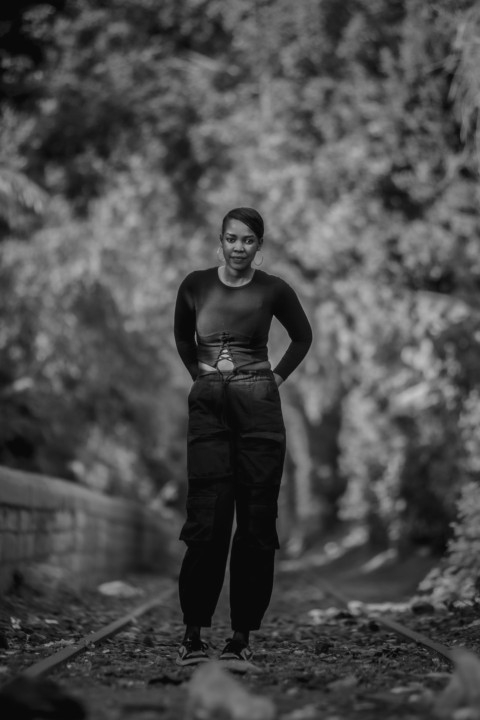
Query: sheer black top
[(214, 321)]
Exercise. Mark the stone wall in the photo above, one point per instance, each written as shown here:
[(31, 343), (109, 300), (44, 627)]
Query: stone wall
[(56, 532)]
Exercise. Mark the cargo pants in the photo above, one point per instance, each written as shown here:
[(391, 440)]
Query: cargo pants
[(235, 456)]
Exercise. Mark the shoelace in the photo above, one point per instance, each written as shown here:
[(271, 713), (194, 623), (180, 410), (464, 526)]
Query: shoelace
[(225, 352), (193, 644), (234, 646)]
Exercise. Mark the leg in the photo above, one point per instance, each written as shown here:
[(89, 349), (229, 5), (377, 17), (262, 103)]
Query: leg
[(255, 539), (259, 455), (210, 506), (207, 534)]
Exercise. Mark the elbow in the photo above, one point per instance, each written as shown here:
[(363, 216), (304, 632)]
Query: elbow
[(306, 338)]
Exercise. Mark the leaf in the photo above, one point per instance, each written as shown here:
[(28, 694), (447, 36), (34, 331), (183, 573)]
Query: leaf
[(119, 588), (307, 712), (403, 689), (213, 693), (463, 690), (345, 683)]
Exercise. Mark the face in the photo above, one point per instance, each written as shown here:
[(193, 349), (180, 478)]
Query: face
[(239, 245)]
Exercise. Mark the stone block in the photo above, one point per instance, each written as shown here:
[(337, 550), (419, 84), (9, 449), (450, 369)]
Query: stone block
[(43, 521), (28, 546), (27, 521), (64, 520), (72, 533), (10, 519), (6, 576), (43, 544), (61, 542), (11, 550)]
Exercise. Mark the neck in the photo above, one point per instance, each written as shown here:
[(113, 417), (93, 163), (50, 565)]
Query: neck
[(235, 277)]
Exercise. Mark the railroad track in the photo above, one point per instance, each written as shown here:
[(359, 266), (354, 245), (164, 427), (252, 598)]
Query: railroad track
[(290, 669), (386, 622), (45, 666), (56, 660)]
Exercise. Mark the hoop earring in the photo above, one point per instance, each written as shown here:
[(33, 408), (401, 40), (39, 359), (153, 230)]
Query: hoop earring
[(261, 259), (220, 258)]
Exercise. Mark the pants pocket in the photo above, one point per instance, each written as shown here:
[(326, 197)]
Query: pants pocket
[(198, 527)]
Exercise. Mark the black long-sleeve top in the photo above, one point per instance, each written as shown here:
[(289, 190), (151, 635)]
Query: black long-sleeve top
[(211, 318)]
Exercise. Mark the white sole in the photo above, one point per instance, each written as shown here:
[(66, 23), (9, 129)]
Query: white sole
[(191, 661)]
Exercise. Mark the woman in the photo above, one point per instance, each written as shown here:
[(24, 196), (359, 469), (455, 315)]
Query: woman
[(236, 434)]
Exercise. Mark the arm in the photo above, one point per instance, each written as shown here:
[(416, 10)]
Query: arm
[(184, 328), (291, 314)]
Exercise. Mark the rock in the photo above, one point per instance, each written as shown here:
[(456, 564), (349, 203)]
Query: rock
[(307, 712), (323, 646), (342, 684), (213, 693), (422, 607), (118, 588), (37, 638), (462, 694), (26, 698)]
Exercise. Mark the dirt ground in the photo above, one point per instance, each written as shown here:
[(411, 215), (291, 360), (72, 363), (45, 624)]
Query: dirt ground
[(313, 657)]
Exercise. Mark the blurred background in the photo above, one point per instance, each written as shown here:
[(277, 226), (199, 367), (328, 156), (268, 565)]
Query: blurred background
[(130, 127)]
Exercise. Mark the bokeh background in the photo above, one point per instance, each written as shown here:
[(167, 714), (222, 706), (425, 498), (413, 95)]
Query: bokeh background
[(130, 127)]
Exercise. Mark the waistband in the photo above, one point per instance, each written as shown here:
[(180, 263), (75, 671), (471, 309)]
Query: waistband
[(237, 373)]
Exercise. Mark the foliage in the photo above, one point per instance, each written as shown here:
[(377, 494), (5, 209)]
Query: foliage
[(78, 377), (458, 577), (353, 131)]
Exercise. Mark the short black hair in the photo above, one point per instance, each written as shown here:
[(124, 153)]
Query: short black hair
[(249, 217)]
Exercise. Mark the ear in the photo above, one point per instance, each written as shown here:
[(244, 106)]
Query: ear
[(260, 243)]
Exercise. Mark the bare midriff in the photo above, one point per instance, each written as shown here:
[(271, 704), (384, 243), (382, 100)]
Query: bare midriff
[(227, 366)]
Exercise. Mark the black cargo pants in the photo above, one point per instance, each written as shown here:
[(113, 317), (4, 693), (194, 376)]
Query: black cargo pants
[(235, 455)]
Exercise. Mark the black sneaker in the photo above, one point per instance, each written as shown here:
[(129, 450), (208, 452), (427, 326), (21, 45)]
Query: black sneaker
[(192, 652), (236, 650)]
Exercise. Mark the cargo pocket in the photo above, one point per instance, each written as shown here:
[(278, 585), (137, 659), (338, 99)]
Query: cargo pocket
[(198, 527)]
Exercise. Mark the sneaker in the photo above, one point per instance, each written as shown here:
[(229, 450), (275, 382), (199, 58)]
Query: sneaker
[(192, 652), (235, 650)]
